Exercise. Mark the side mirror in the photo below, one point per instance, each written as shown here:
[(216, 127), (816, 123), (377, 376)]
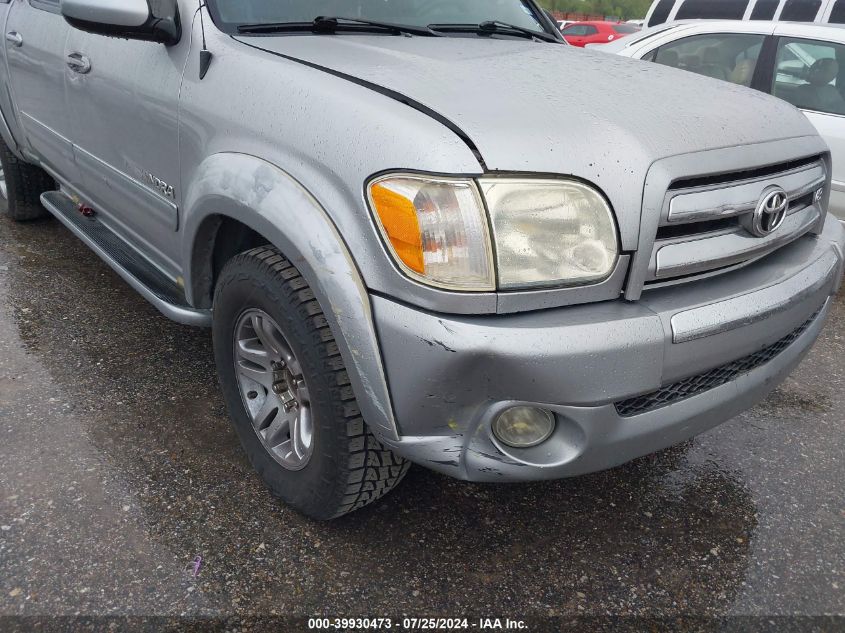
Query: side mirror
[(146, 20)]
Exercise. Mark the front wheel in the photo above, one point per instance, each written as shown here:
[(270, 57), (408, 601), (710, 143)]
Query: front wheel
[(288, 392)]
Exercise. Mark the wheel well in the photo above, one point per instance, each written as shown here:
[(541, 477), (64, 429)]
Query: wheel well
[(218, 240)]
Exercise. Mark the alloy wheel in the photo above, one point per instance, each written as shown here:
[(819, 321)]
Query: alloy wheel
[(273, 389)]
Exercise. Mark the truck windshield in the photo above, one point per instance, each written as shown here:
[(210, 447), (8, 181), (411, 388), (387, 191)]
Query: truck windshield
[(229, 14)]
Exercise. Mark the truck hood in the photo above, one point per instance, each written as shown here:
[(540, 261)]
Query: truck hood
[(532, 107)]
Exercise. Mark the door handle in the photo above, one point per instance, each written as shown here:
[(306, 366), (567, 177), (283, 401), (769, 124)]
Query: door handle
[(15, 38), (79, 63)]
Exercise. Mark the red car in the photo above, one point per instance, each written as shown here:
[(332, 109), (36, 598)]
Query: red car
[(582, 33)]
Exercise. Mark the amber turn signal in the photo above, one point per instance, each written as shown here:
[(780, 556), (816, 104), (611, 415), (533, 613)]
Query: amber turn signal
[(436, 229), (399, 219)]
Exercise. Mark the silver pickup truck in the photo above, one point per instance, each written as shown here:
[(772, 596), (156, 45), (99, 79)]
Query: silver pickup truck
[(426, 230)]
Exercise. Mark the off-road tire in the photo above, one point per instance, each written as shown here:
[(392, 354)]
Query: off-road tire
[(349, 467), (24, 185)]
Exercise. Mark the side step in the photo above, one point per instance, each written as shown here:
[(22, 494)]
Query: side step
[(153, 285)]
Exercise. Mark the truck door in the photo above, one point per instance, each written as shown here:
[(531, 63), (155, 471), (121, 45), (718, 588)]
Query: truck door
[(123, 97), (35, 35)]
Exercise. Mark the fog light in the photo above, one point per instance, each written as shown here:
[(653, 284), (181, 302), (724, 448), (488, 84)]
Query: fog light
[(524, 427)]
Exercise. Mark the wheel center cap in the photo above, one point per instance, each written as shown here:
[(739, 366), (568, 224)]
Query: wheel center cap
[(284, 386)]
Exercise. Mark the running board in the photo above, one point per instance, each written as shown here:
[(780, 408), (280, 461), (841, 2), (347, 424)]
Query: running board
[(150, 282)]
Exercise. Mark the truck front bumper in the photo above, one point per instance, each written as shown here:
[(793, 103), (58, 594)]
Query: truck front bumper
[(623, 379)]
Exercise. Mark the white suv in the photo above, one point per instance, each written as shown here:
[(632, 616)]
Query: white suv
[(803, 64), (824, 11)]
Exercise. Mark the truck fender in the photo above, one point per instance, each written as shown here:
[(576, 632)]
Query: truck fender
[(272, 203), (7, 135)]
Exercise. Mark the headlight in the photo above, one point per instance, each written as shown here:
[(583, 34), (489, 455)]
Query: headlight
[(437, 230), (550, 232), (546, 232)]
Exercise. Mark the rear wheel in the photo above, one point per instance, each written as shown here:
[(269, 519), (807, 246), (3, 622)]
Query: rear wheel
[(21, 186), (288, 392)]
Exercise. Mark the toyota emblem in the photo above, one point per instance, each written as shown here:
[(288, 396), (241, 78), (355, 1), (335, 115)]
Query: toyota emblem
[(770, 212)]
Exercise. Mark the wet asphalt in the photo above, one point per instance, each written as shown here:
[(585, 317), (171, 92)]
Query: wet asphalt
[(118, 468)]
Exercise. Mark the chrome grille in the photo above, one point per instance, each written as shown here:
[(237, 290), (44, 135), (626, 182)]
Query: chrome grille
[(704, 221)]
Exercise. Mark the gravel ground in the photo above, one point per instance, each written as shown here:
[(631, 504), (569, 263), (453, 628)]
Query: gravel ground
[(118, 468)]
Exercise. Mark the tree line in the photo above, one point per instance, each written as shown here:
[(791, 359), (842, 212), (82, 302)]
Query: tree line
[(621, 9)]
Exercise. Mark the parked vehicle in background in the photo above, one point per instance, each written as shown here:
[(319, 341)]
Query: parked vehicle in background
[(559, 23), (823, 11), (409, 244), (583, 33), (803, 64)]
